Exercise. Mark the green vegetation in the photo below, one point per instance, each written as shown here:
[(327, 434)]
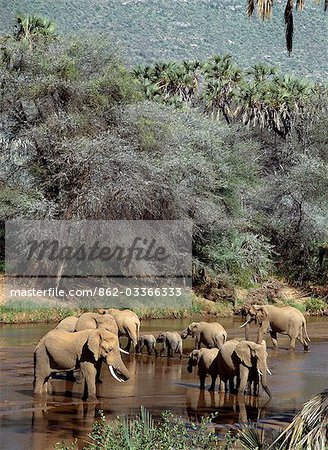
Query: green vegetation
[(315, 305), (306, 431), (259, 96), (82, 137), (144, 433), (151, 31), (29, 312)]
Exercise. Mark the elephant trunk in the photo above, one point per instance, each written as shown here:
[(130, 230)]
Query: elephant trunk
[(247, 332), (246, 325), (266, 389), (184, 333), (117, 368), (138, 347), (263, 377)]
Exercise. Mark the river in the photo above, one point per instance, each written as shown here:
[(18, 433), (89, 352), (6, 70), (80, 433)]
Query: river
[(158, 384)]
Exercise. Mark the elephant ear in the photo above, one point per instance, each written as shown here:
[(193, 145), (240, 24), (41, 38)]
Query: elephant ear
[(243, 351), (196, 355), (261, 313), (93, 344), (102, 311), (193, 329), (103, 319)]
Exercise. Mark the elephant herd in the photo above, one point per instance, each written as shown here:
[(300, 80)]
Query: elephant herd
[(79, 346)]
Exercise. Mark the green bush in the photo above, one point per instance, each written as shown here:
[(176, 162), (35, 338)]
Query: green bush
[(315, 305), (144, 433), (301, 307)]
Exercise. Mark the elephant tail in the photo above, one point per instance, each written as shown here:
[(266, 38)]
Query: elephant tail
[(305, 331), (34, 365)]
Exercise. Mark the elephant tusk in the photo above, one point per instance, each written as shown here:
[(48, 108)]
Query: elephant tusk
[(269, 371), (260, 373), (242, 326), (114, 374), (123, 351)]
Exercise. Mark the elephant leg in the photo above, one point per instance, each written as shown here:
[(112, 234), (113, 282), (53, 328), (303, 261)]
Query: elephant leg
[(89, 371), (244, 373), (128, 345), (149, 348), (306, 346), (237, 384), (292, 343), (169, 351), (273, 335), (70, 376), (179, 349), (231, 385), (221, 385), (162, 349), (98, 369), (202, 376), (41, 380), (212, 387), (79, 378), (197, 342)]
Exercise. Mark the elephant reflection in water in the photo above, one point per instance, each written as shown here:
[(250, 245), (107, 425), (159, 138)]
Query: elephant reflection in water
[(52, 424), (230, 408)]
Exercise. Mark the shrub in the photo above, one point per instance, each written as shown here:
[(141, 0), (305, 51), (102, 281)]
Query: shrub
[(144, 433), (315, 305)]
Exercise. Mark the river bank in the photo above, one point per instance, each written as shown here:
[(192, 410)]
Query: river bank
[(30, 313)]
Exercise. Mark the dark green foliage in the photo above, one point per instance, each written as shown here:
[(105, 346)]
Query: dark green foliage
[(258, 97)]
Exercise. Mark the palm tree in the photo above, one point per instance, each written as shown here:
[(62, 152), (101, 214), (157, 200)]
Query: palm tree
[(264, 10), (222, 80), (308, 430), (274, 102), (170, 82), (30, 28)]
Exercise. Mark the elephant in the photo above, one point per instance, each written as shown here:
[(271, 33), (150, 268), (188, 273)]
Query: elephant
[(68, 324), (60, 350), (172, 341), (205, 359), (148, 341), (211, 335), (128, 324), (90, 320), (243, 359), (285, 320)]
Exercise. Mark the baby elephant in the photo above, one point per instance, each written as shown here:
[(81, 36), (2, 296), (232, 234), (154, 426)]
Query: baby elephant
[(60, 350), (206, 360), (148, 341), (172, 341), (211, 335)]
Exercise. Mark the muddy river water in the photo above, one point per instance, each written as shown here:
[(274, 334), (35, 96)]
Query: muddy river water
[(156, 383)]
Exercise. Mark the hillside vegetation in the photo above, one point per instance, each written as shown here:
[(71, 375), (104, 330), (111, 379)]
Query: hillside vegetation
[(156, 30), (80, 138)]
